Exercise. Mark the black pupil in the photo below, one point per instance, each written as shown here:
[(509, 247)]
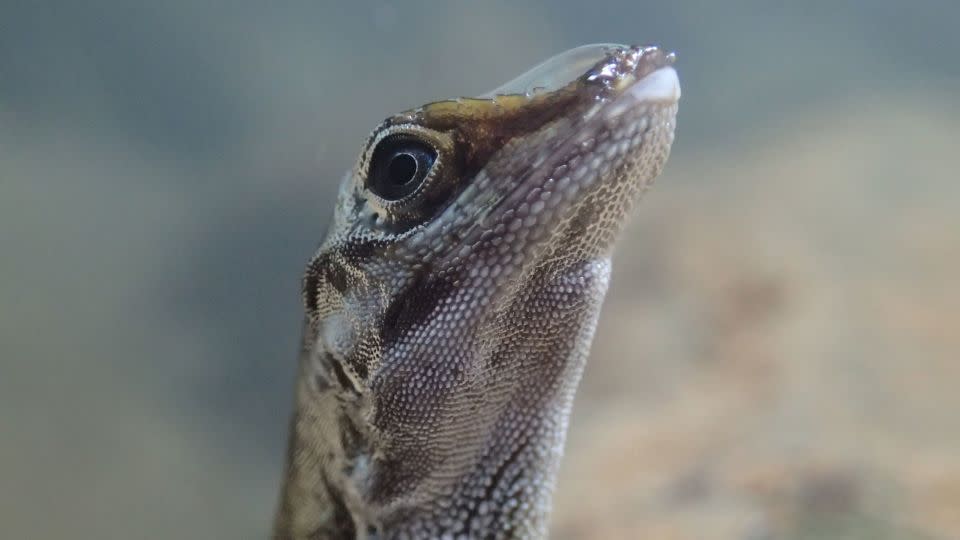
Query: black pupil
[(402, 169), (399, 165)]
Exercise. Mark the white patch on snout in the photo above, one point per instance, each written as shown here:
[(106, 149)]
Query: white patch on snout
[(662, 86)]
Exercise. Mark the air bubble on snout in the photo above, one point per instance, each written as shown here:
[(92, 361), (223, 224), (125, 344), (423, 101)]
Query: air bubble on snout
[(556, 72)]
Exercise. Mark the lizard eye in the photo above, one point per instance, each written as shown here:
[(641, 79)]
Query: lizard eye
[(406, 173), (399, 165)]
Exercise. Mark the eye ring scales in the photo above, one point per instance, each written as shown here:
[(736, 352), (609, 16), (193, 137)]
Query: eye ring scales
[(406, 174), (399, 165)]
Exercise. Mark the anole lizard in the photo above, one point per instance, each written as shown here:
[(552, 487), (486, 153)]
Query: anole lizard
[(450, 310)]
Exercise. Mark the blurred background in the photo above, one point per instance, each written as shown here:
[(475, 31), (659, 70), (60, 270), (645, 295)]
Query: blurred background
[(778, 357)]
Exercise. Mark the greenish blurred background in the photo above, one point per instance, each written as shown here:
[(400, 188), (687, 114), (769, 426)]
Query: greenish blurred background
[(778, 358)]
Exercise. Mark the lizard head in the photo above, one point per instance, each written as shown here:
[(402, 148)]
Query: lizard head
[(451, 308)]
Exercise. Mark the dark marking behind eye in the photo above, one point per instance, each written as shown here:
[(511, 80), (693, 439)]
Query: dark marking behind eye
[(331, 268), (311, 282), (320, 273), (414, 305)]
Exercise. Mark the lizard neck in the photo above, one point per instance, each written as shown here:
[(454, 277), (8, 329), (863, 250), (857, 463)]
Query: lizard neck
[(480, 463)]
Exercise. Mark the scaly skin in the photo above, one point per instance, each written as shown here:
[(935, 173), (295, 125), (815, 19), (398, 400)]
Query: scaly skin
[(449, 318)]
